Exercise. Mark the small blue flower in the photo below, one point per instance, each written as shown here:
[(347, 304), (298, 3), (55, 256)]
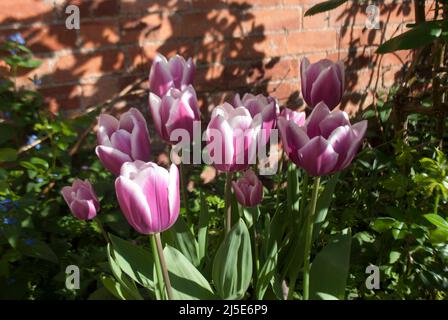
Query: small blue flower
[(31, 139), (17, 37), (9, 221), (40, 180), (30, 242), (6, 205), (37, 82)]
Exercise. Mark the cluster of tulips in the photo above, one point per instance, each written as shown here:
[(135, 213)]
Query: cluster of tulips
[(322, 143)]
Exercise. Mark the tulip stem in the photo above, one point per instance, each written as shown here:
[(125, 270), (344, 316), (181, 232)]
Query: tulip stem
[(228, 202), (103, 232), (183, 182), (156, 258), (308, 239), (166, 278)]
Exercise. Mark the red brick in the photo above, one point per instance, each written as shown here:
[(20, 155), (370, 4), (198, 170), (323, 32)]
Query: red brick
[(62, 97), (25, 11), (99, 33), (273, 19), (102, 8), (50, 38), (74, 67), (317, 21), (100, 91), (310, 41)]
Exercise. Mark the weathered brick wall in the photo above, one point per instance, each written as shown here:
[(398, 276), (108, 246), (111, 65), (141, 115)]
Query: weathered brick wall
[(239, 45)]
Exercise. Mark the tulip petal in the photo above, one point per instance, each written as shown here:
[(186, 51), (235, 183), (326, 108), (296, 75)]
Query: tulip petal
[(358, 131), (188, 74), (83, 209), (140, 142), (334, 120), (327, 88), (256, 194), (239, 195), (111, 158), (106, 126), (160, 79), (318, 157), (67, 194), (176, 66), (227, 149), (173, 194), (319, 113)]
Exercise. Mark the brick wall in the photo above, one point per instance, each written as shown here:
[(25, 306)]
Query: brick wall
[(239, 45)]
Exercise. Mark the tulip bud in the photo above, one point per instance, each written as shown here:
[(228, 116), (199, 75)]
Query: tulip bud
[(175, 73), (248, 189), (123, 140), (322, 81), (327, 143), (148, 196), (175, 110), (81, 199)]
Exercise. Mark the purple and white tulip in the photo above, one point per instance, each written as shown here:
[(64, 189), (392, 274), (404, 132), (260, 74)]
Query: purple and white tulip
[(322, 81), (248, 189), (148, 196), (81, 199), (123, 140), (327, 143)]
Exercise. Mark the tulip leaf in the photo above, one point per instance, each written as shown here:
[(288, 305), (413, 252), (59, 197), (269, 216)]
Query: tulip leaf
[(136, 262), (187, 282), (232, 266), (116, 288), (323, 204), (127, 284), (437, 220), (181, 237), (329, 270), (324, 6), (38, 249), (267, 272), (204, 217)]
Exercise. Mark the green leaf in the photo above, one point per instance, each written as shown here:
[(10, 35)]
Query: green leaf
[(437, 220), (324, 6), (326, 296), (383, 224), (419, 36), (183, 239), (39, 249), (267, 272), (8, 155), (394, 256), (330, 267), (323, 204), (136, 262), (232, 266), (187, 282), (115, 288), (204, 217), (127, 284)]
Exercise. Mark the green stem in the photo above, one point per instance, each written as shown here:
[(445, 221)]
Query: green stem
[(166, 278), (292, 286), (253, 235), (308, 240), (228, 202), (279, 181), (183, 183), (436, 203), (156, 258), (304, 195), (103, 232)]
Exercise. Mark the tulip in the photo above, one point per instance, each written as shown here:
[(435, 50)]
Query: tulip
[(81, 199), (123, 140), (175, 110), (259, 104), (175, 73), (148, 196), (290, 115), (322, 81), (237, 134), (327, 143), (248, 189)]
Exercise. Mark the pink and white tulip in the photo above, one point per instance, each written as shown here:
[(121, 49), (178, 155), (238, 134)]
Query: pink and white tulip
[(148, 196), (175, 110), (123, 140), (237, 134), (173, 73), (327, 143), (248, 189), (322, 81), (81, 199)]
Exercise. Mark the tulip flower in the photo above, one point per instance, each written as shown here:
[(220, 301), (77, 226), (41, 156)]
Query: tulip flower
[(81, 199), (123, 140), (248, 189), (236, 133), (259, 104), (290, 115), (148, 196), (322, 81), (175, 110), (175, 73), (326, 144)]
